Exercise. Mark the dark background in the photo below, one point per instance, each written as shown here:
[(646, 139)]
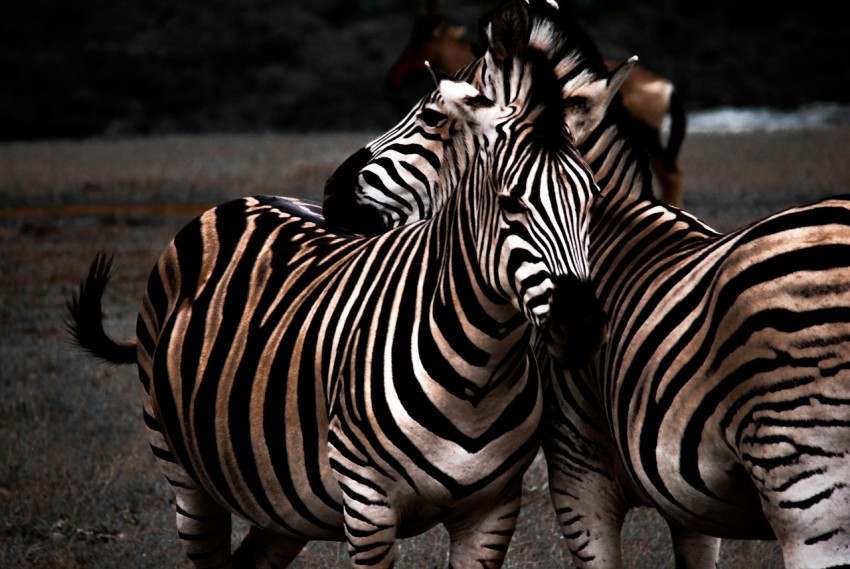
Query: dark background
[(82, 68)]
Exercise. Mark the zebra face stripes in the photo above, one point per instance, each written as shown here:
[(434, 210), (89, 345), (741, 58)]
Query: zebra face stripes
[(369, 196)]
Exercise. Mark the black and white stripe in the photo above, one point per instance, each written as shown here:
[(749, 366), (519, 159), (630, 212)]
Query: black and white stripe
[(723, 396), (398, 186)]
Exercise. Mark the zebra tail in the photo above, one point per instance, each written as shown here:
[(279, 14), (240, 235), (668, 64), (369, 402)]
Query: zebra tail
[(678, 126), (86, 317)]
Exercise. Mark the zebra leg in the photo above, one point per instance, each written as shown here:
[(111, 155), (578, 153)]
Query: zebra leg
[(587, 493), (262, 549), (370, 529), (815, 539), (693, 550), (591, 516), (811, 517), (800, 465), (483, 541), (203, 526)]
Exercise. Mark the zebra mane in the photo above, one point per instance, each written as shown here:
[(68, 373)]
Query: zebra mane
[(522, 42), (576, 60), (619, 124)]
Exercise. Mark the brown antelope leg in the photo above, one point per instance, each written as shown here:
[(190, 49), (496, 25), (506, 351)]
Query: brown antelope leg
[(669, 180)]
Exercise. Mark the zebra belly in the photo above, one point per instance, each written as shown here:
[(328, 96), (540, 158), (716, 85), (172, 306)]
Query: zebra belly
[(697, 483), (776, 460), (719, 499)]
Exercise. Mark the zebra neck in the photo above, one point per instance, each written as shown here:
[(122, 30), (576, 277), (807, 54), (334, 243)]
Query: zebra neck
[(619, 169), (471, 338), (633, 236)]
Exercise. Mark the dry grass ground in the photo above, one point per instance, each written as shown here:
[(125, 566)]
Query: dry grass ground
[(78, 485)]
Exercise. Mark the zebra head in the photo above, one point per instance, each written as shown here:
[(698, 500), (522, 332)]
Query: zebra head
[(529, 213), (392, 180)]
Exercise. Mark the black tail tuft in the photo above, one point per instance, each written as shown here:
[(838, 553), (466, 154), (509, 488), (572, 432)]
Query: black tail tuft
[(86, 317)]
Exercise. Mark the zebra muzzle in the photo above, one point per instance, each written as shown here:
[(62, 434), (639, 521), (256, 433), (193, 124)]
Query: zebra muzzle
[(340, 203), (577, 326)]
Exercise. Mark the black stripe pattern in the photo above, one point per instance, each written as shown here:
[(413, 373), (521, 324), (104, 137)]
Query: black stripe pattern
[(722, 397)]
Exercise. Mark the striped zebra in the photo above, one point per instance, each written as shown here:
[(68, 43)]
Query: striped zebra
[(722, 398), (328, 386), (399, 186)]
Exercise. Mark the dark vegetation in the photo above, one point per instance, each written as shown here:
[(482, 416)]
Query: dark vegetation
[(126, 67)]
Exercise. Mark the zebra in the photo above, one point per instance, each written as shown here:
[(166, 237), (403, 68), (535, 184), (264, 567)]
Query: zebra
[(722, 398), (328, 386)]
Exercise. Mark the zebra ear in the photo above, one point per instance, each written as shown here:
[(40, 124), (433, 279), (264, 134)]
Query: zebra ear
[(509, 31), (467, 105), (585, 106)]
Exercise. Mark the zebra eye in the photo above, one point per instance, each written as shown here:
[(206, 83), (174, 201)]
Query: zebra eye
[(432, 118), (512, 204)]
